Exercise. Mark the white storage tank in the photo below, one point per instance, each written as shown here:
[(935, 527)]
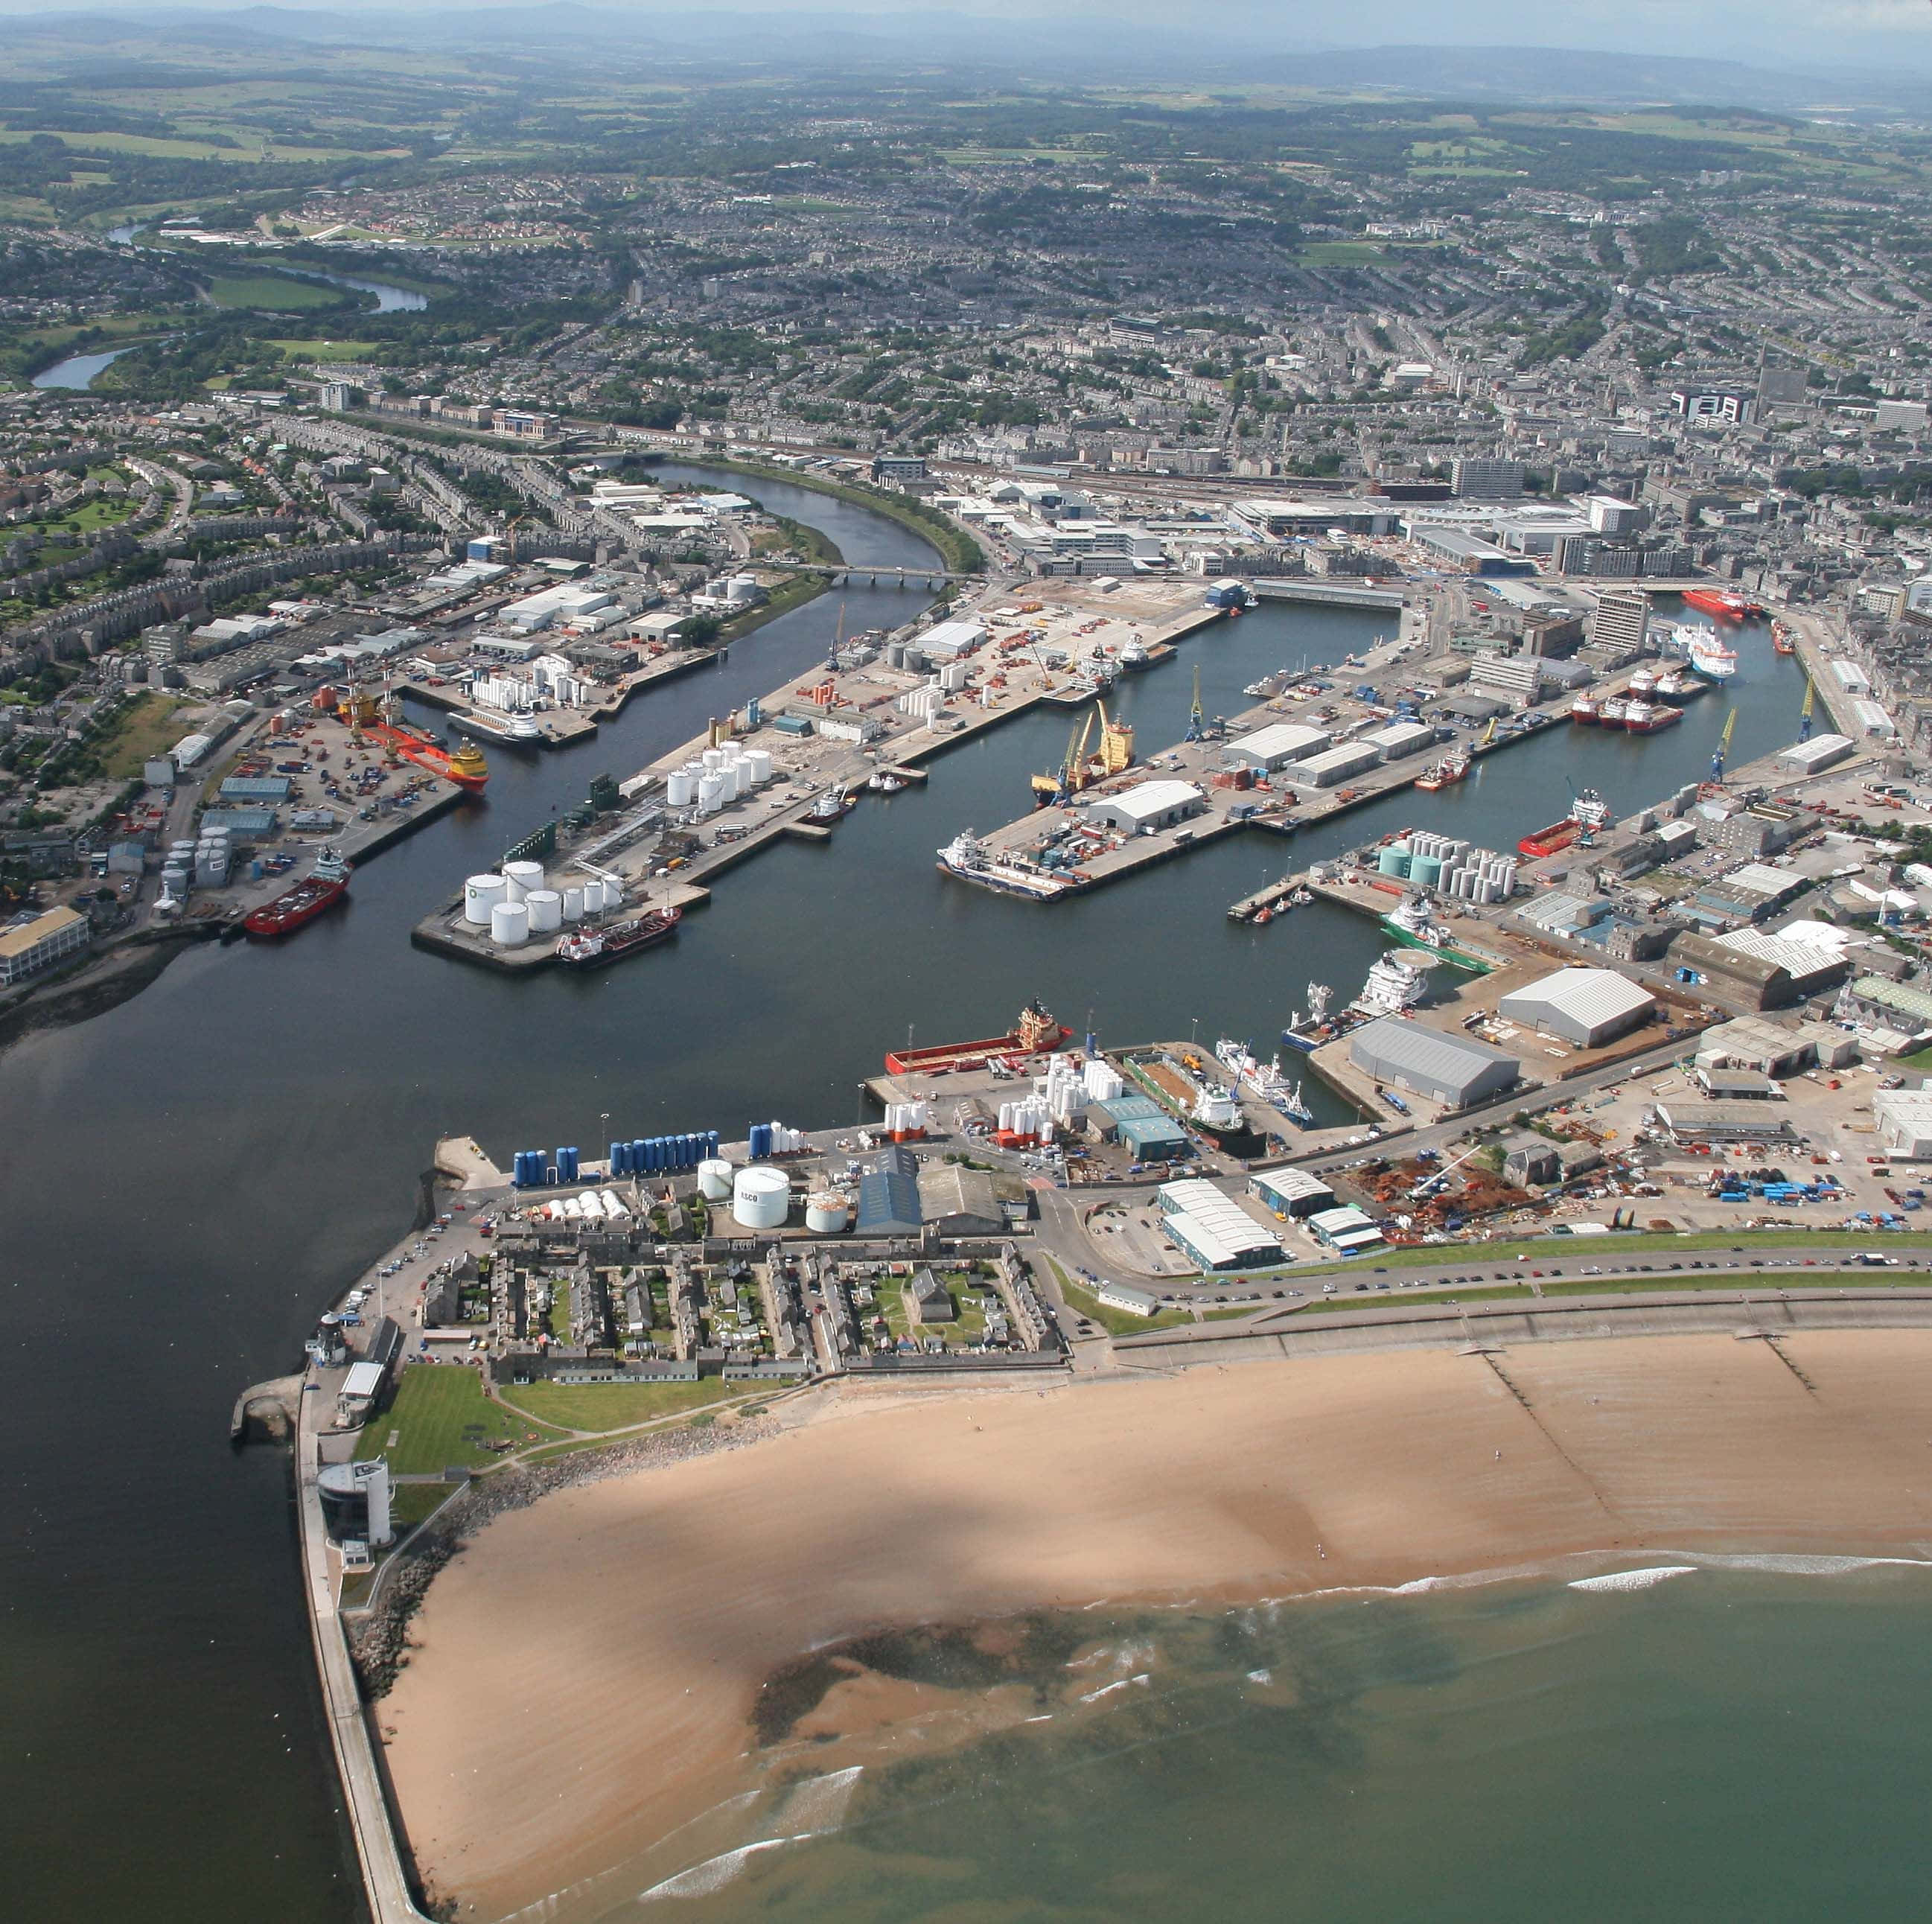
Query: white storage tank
[(613, 891), (714, 760), (573, 904), (480, 894), (714, 1179), (522, 877), (759, 762), (710, 794), (826, 1214), (680, 786), (510, 925), (741, 587), (593, 898), (761, 1198), (546, 908)]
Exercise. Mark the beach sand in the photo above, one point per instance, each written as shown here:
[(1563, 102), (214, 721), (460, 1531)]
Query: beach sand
[(587, 1669)]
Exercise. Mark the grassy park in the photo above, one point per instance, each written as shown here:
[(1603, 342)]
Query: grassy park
[(440, 1419)]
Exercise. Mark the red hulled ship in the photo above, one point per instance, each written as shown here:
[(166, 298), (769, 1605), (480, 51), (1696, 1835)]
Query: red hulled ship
[(322, 888), (1037, 1034), (592, 948), (1726, 603)]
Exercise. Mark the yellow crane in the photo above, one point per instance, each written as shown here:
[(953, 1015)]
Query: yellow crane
[(1804, 713), (1724, 747), (1071, 776)]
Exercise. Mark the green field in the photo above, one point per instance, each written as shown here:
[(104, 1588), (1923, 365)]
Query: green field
[(327, 350), (276, 293), (441, 1420), (618, 1405), (1636, 1286), (147, 726)]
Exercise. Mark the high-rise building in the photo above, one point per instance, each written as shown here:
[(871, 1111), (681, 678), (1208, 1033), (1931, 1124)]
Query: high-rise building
[(1485, 479), (1622, 619)]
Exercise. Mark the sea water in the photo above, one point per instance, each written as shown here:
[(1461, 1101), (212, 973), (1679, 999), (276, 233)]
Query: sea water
[(1706, 1740)]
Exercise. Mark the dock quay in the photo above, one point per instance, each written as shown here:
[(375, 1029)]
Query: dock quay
[(809, 750)]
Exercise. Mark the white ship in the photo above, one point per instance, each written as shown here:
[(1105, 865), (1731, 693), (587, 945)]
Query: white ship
[(1262, 1079), (506, 731), (967, 857), (1395, 983), (1705, 649), (1413, 920)]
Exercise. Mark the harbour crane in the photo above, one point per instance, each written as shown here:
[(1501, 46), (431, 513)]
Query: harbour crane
[(1724, 747), (1197, 721), (1804, 713)]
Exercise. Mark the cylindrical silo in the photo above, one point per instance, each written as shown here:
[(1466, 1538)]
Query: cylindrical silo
[(1425, 871), (714, 1179), (522, 877), (546, 908), (714, 760), (1393, 860), (593, 898), (679, 787), (761, 1198), (825, 1214), (510, 925), (573, 904), (759, 762), (710, 794), (480, 894)]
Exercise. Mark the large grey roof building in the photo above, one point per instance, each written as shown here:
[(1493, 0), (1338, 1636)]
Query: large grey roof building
[(1452, 1069), (1587, 1007)]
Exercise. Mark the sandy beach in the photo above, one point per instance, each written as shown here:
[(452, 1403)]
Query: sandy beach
[(588, 1668)]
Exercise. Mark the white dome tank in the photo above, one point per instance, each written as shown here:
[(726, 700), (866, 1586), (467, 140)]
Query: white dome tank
[(573, 904), (710, 794), (480, 894), (733, 781), (714, 760), (826, 1214), (522, 877), (546, 908), (759, 762), (761, 1198), (510, 925), (714, 1179), (679, 787), (613, 891)]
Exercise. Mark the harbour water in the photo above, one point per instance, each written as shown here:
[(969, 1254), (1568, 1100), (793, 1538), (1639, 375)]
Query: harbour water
[(189, 1178)]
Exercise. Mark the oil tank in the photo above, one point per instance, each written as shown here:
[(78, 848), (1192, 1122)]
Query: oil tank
[(593, 898), (826, 1214), (759, 762), (1427, 870), (714, 760), (714, 1179), (761, 1198), (480, 894), (710, 794), (1394, 860), (522, 877), (573, 904), (680, 789), (546, 908), (510, 925)]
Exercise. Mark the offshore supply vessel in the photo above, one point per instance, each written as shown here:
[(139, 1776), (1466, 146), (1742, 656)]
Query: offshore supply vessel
[(1036, 1033), (1726, 603), (1588, 815), (374, 718), (592, 948), (321, 889)]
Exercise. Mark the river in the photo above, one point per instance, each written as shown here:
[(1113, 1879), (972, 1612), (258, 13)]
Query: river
[(191, 1177), (78, 370)]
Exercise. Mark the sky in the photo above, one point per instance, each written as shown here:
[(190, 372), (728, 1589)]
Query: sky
[(1826, 34)]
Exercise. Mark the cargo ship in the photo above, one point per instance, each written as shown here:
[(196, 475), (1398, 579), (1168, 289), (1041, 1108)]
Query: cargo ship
[(593, 948), (1446, 773), (1710, 657), (1036, 1033), (1725, 604), (464, 766), (967, 857), (322, 888), (1588, 815)]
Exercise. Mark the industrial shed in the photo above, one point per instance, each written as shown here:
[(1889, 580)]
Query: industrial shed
[(1453, 1069), (1146, 806), (888, 1198), (1212, 1229), (1588, 1007), (1290, 1192), (1276, 745), (1726, 1122), (960, 1201), (1757, 981), (1904, 1119)]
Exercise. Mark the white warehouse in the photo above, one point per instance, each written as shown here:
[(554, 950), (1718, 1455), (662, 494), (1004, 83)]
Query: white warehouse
[(1146, 806), (1588, 1007)]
